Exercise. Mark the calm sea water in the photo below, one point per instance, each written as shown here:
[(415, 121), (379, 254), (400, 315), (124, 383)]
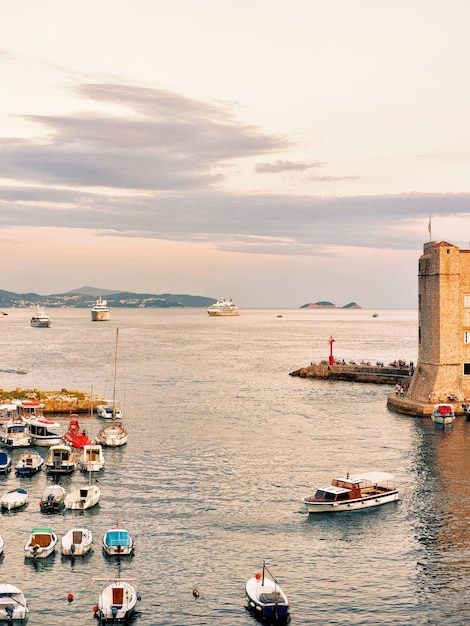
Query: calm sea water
[(223, 445)]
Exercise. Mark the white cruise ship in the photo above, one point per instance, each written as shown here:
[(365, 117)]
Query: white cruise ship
[(100, 312), (223, 308)]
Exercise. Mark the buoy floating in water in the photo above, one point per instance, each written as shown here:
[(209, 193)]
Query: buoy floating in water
[(196, 593), (70, 597)]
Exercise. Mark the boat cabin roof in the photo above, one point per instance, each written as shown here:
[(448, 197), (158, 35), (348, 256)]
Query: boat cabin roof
[(373, 477), (334, 490), (444, 409)]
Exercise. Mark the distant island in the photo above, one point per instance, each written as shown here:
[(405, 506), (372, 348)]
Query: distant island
[(85, 297), (330, 305)]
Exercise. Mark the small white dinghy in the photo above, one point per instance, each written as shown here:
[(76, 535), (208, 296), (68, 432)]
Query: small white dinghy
[(265, 597), (77, 542), (14, 498), (117, 601), (12, 603), (41, 543)]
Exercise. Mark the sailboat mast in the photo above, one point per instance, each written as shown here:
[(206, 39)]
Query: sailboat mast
[(115, 367)]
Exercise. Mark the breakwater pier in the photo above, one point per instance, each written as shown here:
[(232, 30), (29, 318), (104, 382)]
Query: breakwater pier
[(379, 374)]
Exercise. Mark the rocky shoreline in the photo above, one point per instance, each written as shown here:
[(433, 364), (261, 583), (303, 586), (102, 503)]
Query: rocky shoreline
[(63, 401)]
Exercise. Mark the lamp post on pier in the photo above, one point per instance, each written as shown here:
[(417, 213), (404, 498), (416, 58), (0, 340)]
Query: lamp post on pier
[(332, 358)]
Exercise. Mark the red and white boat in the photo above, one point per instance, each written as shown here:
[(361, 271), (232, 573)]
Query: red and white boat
[(74, 436)]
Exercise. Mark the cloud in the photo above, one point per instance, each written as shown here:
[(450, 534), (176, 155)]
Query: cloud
[(287, 166), (163, 141), (152, 166)]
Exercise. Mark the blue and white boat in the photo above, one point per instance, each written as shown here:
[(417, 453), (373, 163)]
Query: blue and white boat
[(14, 435), (118, 542), (5, 463), (29, 463), (266, 600)]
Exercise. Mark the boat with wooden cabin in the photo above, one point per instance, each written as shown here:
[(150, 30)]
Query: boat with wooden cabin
[(353, 492)]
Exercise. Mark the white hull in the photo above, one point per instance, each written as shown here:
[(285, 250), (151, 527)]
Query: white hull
[(44, 433), (266, 599), (350, 505), (40, 323), (223, 313), (100, 316), (76, 542), (92, 458)]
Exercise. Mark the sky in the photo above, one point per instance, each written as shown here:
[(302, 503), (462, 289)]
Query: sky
[(274, 152)]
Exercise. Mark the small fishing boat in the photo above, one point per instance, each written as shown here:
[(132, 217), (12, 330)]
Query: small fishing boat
[(91, 458), (118, 542), (76, 542), (14, 498), (29, 463), (15, 435), (74, 436), (265, 598), (82, 498), (52, 499), (117, 601), (5, 463), (109, 411), (41, 543), (43, 432), (352, 493), (40, 319), (61, 460), (13, 606), (443, 414)]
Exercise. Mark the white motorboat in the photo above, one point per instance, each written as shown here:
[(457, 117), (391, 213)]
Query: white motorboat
[(43, 432), (40, 319), (76, 542), (7, 412), (29, 463), (13, 606), (15, 435), (443, 414), (352, 493), (223, 308), (61, 460), (52, 499), (100, 312), (14, 498), (117, 601), (41, 543), (109, 411), (28, 408), (81, 498), (5, 463), (118, 542), (92, 458), (265, 597)]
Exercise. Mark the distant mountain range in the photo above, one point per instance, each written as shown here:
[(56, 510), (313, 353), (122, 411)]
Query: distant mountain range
[(330, 305), (85, 297)]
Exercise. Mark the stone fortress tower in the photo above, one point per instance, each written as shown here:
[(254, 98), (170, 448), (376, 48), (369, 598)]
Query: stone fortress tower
[(442, 373)]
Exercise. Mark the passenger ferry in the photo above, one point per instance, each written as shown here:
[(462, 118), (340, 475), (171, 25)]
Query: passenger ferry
[(223, 308)]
